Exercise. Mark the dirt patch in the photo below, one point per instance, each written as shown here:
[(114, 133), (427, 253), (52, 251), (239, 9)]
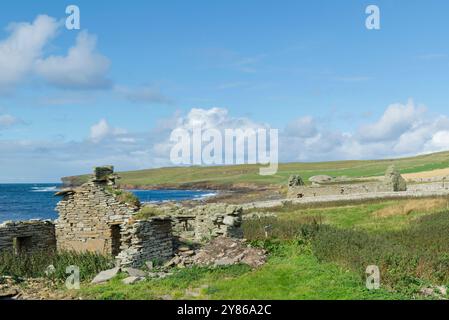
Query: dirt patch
[(439, 173), (410, 206)]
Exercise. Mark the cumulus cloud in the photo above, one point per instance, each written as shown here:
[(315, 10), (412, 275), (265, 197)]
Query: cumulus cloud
[(106, 144), (396, 120), (23, 46), (81, 68), (103, 130), (7, 120), (22, 56)]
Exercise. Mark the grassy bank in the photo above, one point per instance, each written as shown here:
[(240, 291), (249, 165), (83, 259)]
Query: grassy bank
[(248, 175)]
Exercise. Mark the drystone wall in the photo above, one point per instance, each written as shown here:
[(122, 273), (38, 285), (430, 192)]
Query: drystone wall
[(27, 236), (202, 223), (91, 217), (328, 186), (146, 240)]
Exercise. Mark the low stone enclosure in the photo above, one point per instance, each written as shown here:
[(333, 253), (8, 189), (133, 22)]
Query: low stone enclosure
[(96, 217), (327, 186)]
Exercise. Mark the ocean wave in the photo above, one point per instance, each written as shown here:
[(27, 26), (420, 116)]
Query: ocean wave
[(44, 189)]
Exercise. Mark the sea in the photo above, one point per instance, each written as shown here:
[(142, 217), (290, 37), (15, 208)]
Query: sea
[(37, 201)]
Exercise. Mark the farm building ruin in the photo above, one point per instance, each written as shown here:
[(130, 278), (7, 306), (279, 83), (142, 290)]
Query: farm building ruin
[(93, 217)]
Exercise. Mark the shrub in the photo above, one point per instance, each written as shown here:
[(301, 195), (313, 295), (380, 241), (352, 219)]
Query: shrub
[(147, 212), (125, 197), (405, 258)]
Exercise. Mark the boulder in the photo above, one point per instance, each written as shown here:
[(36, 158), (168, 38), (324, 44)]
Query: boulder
[(134, 272), (295, 181), (132, 280), (394, 181), (321, 179), (106, 275)]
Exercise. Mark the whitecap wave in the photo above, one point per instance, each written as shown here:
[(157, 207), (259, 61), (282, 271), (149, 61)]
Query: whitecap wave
[(44, 189)]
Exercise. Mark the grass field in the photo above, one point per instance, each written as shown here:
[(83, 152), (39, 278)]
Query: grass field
[(241, 175)]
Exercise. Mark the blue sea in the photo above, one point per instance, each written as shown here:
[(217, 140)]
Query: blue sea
[(37, 201)]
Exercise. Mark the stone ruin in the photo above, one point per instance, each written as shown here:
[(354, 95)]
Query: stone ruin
[(394, 181), (27, 236), (327, 186), (94, 218), (295, 181)]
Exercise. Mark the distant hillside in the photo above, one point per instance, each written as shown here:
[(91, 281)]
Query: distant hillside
[(240, 176)]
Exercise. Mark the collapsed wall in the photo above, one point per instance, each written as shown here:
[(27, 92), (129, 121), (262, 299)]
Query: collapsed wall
[(202, 223), (146, 240), (27, 236)]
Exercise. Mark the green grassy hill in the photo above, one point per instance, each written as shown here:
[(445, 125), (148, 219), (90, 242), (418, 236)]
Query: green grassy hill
[(248, 175)]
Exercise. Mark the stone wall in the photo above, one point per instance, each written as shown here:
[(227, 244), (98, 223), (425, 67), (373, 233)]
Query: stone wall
[(146, 240), (328, 186), (202, 223), (27, 236), (91, 217)]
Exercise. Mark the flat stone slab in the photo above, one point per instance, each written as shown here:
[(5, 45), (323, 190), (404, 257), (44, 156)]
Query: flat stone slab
[(106, 275), (133, 272), (132, 280)]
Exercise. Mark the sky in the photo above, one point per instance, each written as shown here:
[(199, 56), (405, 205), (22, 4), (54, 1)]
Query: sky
[(113, 91)]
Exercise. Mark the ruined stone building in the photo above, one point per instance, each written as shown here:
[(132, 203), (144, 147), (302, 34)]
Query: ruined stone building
[(27, 236), (94, 217), (328, 186)]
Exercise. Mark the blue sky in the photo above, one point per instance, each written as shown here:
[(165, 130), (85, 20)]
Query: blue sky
[(285, 64)]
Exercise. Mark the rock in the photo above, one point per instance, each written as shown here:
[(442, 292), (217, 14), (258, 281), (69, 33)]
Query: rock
[(9, 293), (149, 265), (321, 179), (224, 262), (183, 248), (132, 280), (295, 181), (229, 221), (106, 275), (394, 180), (426, 291), (50, 270), (134, 272), (442, 290)]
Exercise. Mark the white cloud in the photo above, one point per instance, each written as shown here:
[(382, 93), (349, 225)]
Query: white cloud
[(19, 51), (22, 57), (107, 144), (81, 68), (395, 121), (304, 127), (103, 130), (7, 120)]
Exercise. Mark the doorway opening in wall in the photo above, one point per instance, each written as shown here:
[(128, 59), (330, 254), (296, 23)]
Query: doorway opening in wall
[(22, 244), (115, 239)]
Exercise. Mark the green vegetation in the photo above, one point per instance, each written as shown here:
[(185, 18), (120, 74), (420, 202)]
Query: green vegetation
[(291, 273), (147, 212), (240, 175), (320, 253), (34, 265), (125, 197)]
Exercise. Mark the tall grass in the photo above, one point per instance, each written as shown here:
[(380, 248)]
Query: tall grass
[(407, 259), (34, 265)]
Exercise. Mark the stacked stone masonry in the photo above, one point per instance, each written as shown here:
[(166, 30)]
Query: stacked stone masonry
[(27, 236)]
